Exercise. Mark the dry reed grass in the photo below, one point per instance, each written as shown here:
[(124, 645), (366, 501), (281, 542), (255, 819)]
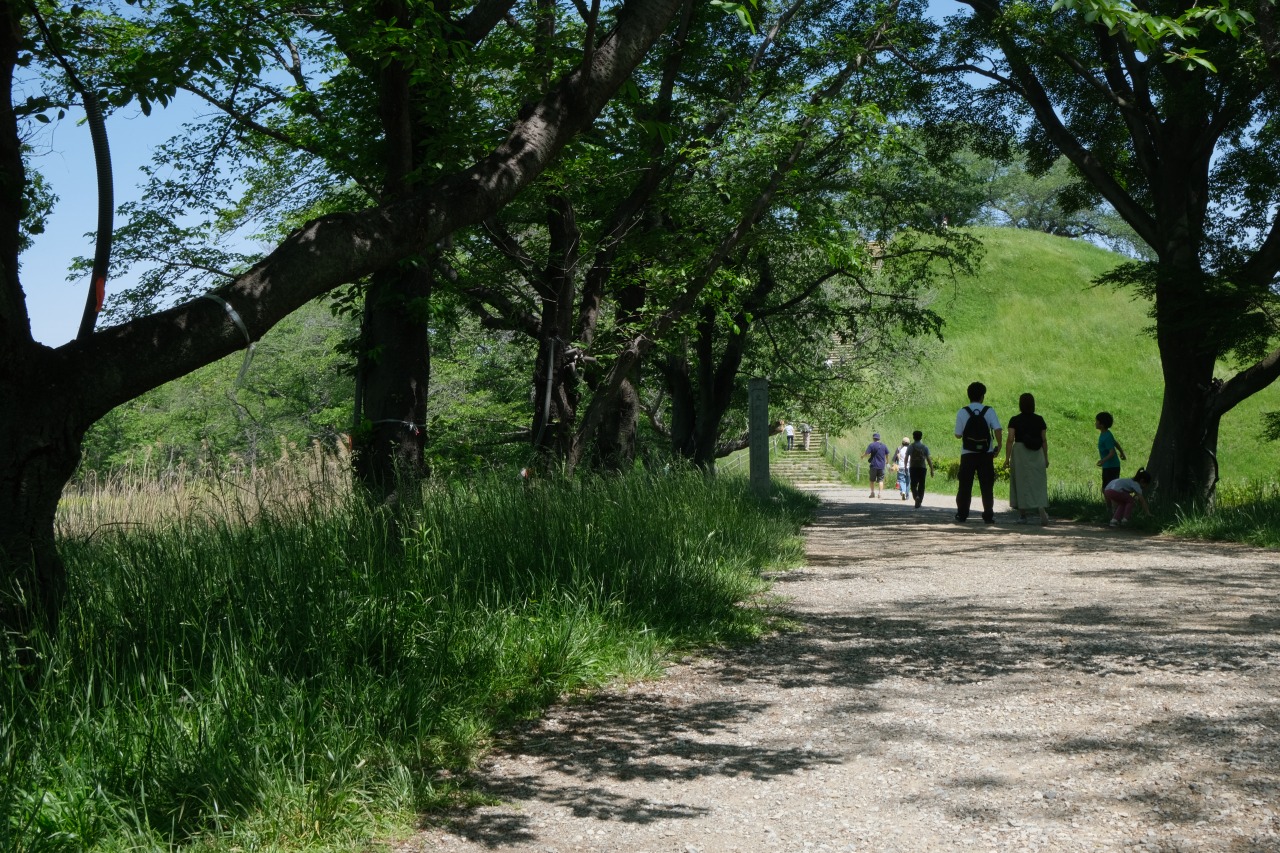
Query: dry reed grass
[(145, 495)]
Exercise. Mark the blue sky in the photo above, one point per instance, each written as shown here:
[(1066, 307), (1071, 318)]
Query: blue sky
[(64, 154)]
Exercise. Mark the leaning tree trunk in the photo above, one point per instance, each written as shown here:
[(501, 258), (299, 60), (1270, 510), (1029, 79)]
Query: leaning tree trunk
[(616, 438), (44, 415)]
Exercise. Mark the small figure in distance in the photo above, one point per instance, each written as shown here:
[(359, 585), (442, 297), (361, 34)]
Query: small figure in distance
[(1027, 455), (918, 463), (976, 424), (876, 455), (790, 430), (805, 429), (900, 465), (1110, 453), (1124, 493)]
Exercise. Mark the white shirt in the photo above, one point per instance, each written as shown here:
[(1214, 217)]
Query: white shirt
[(962, 417)]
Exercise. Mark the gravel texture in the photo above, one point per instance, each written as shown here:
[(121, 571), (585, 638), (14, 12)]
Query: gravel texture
[(947, 687)]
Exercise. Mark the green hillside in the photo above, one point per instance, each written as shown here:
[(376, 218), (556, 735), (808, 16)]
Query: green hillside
[(1030, 320)]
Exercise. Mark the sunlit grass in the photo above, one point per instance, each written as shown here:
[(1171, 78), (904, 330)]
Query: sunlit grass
[(1243, 512), (144, 495), (284, 678), (1247, 512)]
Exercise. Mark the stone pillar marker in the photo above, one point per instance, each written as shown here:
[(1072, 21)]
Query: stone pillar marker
[(758, 433)]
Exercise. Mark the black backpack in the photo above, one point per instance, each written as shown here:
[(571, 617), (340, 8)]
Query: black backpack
[(916, 457), (976, 435)]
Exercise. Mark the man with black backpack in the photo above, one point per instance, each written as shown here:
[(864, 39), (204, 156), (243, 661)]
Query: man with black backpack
[(976, 425)]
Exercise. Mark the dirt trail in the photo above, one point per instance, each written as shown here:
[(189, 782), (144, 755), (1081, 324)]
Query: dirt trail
[(951, 687)]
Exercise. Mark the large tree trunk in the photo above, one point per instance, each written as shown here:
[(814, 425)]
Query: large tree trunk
[(394, 380), (1183, 455), (41, 438), (39, 433), (395, 354)]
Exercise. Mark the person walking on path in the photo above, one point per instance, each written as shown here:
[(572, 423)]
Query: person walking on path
[(805, 429), (900, 463), (1110, 453), (1124, 493), (976, 425), (1027, 455), (790, 431), (919, 462), (876, 454)]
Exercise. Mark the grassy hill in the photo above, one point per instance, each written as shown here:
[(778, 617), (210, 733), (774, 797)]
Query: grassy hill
[(1030, 320)]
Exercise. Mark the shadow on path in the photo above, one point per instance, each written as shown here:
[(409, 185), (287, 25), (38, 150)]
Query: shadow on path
[(1181, 619)]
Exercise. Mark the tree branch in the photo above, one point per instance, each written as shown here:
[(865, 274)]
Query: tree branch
[(1245, 384), (482, 18), (118, 363), (1038, 99)]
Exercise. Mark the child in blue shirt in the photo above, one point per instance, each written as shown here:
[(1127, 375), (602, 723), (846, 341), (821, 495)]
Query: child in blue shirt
[(1109, 450)]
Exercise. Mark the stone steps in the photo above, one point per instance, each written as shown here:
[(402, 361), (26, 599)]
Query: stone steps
[(803, 466)]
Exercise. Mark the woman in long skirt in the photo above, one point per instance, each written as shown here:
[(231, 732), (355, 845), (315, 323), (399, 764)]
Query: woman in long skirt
[(1027, 455)]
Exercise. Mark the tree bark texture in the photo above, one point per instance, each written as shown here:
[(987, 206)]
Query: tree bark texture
[(395, 349), (41, 448), (395, 378), (615, 446)]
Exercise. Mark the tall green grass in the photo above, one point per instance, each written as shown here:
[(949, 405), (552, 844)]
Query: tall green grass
[(306, 681), (1248, 512)]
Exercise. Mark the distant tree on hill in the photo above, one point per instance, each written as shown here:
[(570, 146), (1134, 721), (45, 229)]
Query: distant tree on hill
[(1049, 200)]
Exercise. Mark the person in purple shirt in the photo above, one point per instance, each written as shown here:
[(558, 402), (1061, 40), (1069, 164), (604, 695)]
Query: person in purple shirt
[(877, 453)]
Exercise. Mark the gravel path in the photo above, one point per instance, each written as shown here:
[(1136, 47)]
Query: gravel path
[(949, 688)]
